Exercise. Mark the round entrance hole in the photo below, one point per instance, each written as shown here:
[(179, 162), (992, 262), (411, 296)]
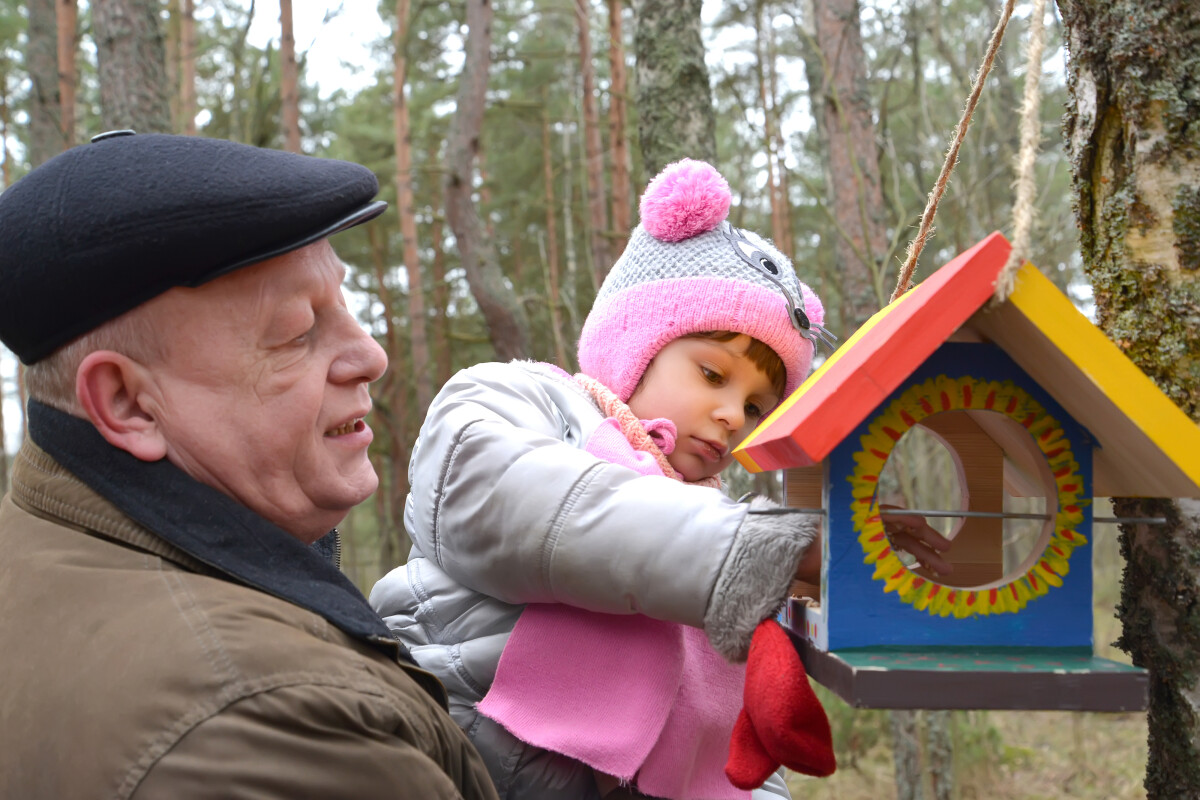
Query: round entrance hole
[(981, 481)]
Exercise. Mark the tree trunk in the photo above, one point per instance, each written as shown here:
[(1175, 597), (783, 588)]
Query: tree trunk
[(571, 284), (843, 106), (766, 99), (618, 142), (674, 98), (187, 66), (906, 753), (41, 61), (505, 318), (405, 208), (786, 241), (441, 290), (289, 80), (1135, 157), (132, 65), (5, 159), (551, 259), (593, 172), (67, 16), (171, 56), (391, 409)]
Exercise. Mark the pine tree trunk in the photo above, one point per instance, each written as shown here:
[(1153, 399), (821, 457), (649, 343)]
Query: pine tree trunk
[(1130, 129), (441, 290), (171, 57), (187, 66), (67, 16), (593, 172), (844, 111), (132, 65), (5, 162), (551, 260), (906, 754), (505, 318), (674, 99), (405, 208), (41, 62), (571, 284), (618, 141), (289, 80), (391, 409), (766, 99)]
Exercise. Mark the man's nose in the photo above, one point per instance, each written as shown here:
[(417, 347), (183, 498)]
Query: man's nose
[(361, 358)]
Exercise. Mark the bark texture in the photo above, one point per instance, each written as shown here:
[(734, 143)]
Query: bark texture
[(68, 15), (507, 322), (674, 98), (843, 106), (41, 60), (617, 121), (1134, 69), (132, 65), (593, 172), (289, 83), (406, 209)]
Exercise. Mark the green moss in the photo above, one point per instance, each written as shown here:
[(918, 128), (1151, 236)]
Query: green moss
[(1186, 225)]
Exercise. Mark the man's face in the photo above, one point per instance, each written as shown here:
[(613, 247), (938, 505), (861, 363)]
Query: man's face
[(263, 389)]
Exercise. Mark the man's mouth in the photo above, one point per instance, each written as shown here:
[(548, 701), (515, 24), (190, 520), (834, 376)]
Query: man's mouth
[(352, 426)]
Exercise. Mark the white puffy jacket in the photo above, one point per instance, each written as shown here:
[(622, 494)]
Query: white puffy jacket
[(507, 508)]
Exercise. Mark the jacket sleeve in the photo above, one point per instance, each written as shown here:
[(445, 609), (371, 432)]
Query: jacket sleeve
[(507, 507), (319, 741)]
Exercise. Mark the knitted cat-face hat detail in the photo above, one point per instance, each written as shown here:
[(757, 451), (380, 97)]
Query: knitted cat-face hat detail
[(687, 270)]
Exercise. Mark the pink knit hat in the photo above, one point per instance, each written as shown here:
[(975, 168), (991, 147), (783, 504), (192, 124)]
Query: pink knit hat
[(687, 270)]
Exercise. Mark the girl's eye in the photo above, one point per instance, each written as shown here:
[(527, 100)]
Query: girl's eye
[(712, 376), (753, 411)]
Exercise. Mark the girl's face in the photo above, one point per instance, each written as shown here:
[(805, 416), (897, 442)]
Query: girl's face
[(713, 393)]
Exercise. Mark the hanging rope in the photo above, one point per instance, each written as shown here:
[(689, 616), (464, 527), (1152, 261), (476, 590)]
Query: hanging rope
[(935, 196), (1030, 137)]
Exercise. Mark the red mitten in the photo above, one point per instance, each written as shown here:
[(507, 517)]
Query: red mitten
[(782, 721)]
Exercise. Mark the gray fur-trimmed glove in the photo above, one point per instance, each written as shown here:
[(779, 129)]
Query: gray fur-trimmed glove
[(757, 573)]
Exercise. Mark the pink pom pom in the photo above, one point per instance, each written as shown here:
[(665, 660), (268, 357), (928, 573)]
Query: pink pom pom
[(685, 199)]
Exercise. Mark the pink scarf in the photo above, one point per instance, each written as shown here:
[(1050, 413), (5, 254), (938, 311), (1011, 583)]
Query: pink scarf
[(646, 701)]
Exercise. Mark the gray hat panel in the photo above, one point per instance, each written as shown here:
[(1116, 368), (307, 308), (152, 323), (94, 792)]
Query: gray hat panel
[(707, 255)]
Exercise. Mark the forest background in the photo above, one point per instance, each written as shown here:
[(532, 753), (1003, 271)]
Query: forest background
[(834, 166)]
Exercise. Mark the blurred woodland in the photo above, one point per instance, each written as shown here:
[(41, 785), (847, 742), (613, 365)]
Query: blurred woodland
[(512, 140)]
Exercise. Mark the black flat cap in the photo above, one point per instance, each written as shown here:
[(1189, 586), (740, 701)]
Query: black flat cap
[(108, 225)]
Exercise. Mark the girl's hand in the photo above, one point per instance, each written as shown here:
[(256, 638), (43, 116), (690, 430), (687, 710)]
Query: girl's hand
[(911, 534)]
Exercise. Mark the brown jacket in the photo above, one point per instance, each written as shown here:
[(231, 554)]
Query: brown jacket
[(128, 668)]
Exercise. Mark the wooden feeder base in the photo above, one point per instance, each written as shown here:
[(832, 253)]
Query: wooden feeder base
[(1015, 678)]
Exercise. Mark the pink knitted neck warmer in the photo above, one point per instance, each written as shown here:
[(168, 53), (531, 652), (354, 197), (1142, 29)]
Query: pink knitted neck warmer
[(646, 701), (639, 433)]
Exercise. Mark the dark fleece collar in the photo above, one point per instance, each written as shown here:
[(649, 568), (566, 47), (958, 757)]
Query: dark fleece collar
[(209, 526)]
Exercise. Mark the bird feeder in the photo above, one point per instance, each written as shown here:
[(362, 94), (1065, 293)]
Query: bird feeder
[(1023, 412)]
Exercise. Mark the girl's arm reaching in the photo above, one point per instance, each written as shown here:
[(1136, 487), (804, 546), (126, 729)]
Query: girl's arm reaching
[(506, 502)]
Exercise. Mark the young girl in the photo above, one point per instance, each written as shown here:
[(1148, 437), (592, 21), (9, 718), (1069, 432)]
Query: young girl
[(571, 523)]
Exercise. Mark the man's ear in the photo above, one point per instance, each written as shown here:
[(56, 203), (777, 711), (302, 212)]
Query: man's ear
[(113, 390)]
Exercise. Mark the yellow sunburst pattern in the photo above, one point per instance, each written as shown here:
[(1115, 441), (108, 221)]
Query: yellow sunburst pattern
[(949, 394)]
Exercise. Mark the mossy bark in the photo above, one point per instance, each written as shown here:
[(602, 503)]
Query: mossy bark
[(1133, 136), (674, 99)]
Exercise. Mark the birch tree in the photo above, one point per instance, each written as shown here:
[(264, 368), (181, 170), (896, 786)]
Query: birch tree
[(1134, 66)]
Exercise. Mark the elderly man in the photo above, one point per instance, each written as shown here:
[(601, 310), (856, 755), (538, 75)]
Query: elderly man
[(198, 390)]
